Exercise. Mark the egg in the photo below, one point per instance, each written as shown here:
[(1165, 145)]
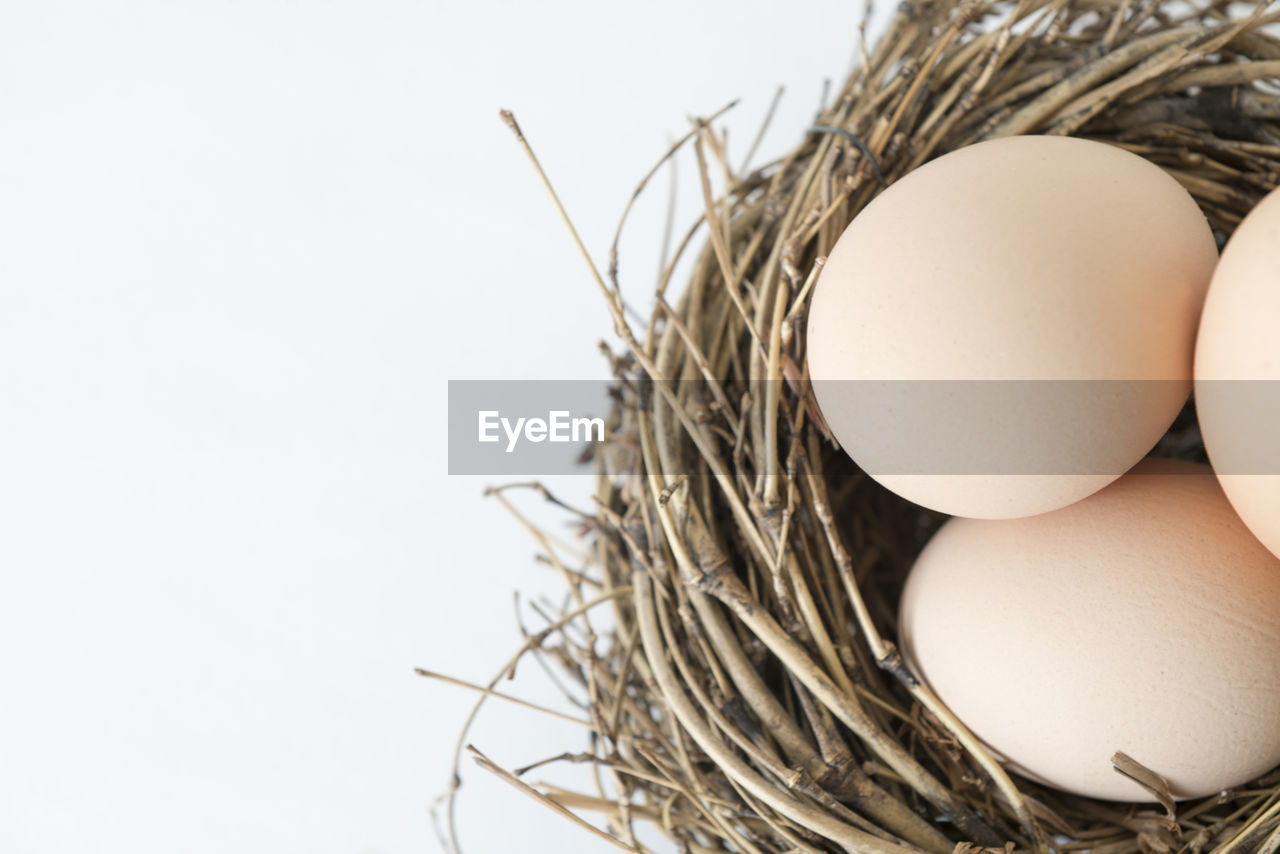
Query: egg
[(1010, 327), (1143, 619), (1237, 368)]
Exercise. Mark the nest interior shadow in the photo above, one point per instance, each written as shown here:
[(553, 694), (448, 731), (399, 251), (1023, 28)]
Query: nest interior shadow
[(746, 696)]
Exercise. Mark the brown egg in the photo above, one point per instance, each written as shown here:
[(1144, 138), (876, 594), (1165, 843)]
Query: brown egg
[(1010, 327), (1143, 619), (1238, 371)]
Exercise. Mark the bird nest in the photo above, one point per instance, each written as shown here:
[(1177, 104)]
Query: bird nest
[(745, 695)]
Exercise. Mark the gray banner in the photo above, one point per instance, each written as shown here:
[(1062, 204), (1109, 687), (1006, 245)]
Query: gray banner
[(900, 427)]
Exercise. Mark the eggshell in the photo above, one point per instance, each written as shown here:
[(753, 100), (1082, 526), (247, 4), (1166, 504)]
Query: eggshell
[(1143, 619), (1237, 368), (1010, 327)]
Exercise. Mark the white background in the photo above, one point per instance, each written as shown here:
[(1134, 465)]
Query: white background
[(243, 246)]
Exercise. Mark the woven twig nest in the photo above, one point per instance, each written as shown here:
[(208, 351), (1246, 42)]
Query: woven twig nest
[(746, 697)]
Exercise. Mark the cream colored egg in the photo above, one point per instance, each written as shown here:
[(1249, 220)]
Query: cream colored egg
[(1238, 371), (1143, 619), (1010, 327)]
